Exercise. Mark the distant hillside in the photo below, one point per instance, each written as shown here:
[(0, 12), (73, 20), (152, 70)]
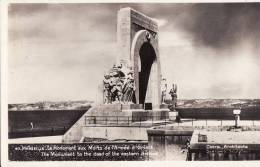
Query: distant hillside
[(200, 103), (183, 103), (63, 105)]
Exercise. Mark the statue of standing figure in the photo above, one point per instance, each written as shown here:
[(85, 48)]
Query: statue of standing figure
[(173, 93), (116, 83), (164, 90), (129, 88), (106, 90)]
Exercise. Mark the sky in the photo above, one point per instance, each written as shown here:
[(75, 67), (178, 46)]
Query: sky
[(61, 51)]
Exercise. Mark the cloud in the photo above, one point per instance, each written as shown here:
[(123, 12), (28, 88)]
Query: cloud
[(61, 51), (54, 46), (207, 73), (161, 22), (62, 21), (221, 25)]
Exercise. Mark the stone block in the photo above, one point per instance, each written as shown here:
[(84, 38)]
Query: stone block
[(131, 106), (164, 106)]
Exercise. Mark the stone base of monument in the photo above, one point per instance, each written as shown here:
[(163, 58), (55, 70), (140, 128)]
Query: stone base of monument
[(164, 106), (124, 121), (173, 115)]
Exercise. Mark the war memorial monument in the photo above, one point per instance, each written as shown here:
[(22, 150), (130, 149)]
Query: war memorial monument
[(131, 108), (131, 90), (132, 104)]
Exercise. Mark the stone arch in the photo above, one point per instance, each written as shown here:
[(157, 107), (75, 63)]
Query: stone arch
[(144, 53)]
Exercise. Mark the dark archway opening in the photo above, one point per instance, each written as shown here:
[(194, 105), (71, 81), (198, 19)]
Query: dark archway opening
[(147, 57)]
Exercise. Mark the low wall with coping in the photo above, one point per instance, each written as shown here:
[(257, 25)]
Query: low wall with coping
[(110, 114), (115, 133)]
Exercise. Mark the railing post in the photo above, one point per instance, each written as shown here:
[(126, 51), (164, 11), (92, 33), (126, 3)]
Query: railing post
[(128, 121), (221, 122), (191, 121), (117, 120), (140, 121), (152, 120), (85, 120)]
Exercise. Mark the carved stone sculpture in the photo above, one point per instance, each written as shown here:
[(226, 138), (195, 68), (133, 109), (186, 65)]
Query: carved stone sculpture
[(119, 85), (173, 93)]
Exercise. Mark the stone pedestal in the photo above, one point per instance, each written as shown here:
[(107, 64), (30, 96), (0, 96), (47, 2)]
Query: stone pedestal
[(114, 117)]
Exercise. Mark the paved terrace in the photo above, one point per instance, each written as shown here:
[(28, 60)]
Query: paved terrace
[(228, 137)]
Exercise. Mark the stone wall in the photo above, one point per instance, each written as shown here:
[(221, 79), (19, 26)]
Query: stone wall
[(115, 133)]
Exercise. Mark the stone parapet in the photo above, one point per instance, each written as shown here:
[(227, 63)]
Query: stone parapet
[(112, 114)]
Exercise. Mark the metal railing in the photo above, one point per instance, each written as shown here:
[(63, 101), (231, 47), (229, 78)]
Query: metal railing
[(216, 122), (126, 121), (149, 121)]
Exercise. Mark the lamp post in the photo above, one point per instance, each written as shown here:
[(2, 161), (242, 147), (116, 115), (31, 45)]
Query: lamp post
[(236, 113)]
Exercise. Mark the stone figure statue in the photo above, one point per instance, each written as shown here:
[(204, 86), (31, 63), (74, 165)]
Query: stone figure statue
[(163, 90), (128, 89), (173, 93), (106, 89), (118, 85)]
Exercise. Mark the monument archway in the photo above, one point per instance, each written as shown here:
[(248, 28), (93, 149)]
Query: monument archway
[(137, 41), (144, 53), (138, 52), (147, 58)]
